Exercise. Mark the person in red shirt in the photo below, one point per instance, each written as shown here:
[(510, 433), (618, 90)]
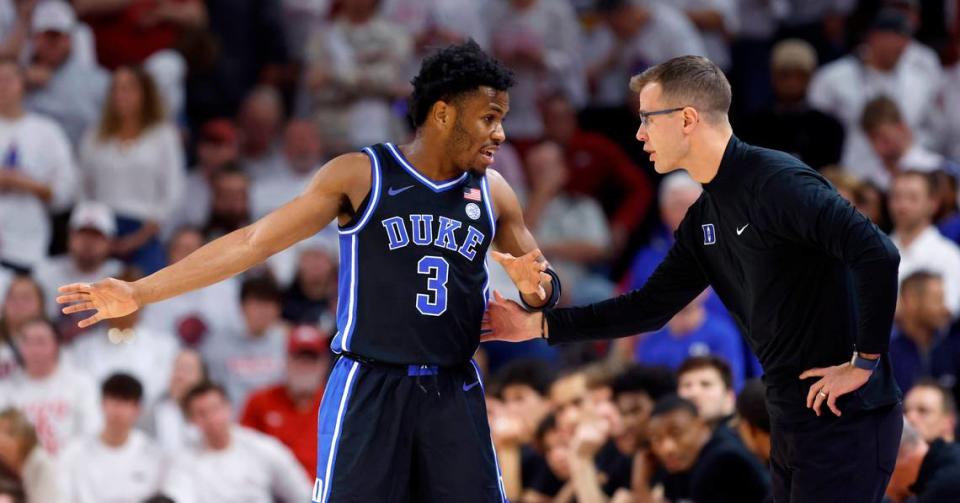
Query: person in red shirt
[(288, 411)]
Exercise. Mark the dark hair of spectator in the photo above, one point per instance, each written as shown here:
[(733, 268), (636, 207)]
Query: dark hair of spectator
[(949, 403), (231, 168), (537, 374), (547, 424), (879, 111), (928, 179), (159, 498), (752, 405), (260, 288), (151, 104), (198, 390), (655, 382), (673, 403), (123, 387), (450, 73), (705, 362), (689, 81)]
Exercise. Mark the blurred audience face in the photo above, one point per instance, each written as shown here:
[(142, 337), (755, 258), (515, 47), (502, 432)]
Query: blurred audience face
[(11, 87), (926, 411), (38, 346), (260, 314), (676, 439), (924, 307), (559, 119), (316, 272), (306, 371), (626, 20), (126, 94), (230, 200), (210, 412), (187, 373), (675, 203), (790, 84), (706, 389), (890, 141), (359, 10), (51, 48), (89, 248), (10, 448), (212, 155), (885, 48), (556, 445), (301, 146), (120, 416), (912, 206), (635, 409), (569, 396), (24, 301), (259, 121), (870, 201), (525, 403), (662, 135), (183, 243)]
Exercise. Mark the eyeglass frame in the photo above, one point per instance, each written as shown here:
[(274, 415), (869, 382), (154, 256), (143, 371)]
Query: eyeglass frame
[(645, 116)]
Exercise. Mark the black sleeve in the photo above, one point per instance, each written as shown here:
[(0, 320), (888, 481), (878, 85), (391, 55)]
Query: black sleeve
[(800, 206), (675, 282)]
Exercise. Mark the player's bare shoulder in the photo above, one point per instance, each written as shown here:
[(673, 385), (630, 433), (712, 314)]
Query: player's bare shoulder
[(346, 175)]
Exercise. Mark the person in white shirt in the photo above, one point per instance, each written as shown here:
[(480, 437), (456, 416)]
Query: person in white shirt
[(37, 174), (912, 206), (60, 400), (950, 100), (134, 163), (21, 452), (119, 464), (302, 155), (717, 21), (165, 421), (92, 229), (231, 463)]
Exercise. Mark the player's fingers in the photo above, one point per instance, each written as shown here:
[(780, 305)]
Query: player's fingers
[(74, 287), (90, 321), (497, 297), (73, 297), (832, 403), (541, 292), (76, 308), (814, 372), (500, 257)]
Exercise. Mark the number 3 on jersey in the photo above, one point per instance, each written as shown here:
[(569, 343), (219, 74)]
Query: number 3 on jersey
[(437, 270)]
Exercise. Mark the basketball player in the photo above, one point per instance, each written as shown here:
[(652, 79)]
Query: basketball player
[(403, 416)]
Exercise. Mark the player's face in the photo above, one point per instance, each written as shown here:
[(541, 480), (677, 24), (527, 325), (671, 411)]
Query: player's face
[(704, 387), (662, 135), (675, 439), (923, 408), (477, 131)]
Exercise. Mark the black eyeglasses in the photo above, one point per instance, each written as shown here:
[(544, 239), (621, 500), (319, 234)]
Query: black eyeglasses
[(645, 116)]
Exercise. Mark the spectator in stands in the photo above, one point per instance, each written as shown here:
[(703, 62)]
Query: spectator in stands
[(193, 315), (635, 390), (931, 410), (60, 400), (218, 145), (694, 331), (702, 465), (925, 472), (892, 141), (260, 122), (843, 87), (119, 463), (15, 20), (920, 345), (288, 411), (253, 355), (950, 100), (354, 71), (634, 35), (37, 174), (599, 169), (913, 204), (872, 202), (92, 229), (541, 41), (231, 462), (789, 123), (230, 202), (717, 21), (570, 228), (707, 382), (60, 84), (129, 31), (312, 296), (301, 157), (523, 385), (134, 163), (23, 302), (300, 19), (436, 23), (753, 421), (21, 453), (165, 422)]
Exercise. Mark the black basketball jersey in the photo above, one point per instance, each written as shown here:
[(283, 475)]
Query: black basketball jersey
[(413, 282)]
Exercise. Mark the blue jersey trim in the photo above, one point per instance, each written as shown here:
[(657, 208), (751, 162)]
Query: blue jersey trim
[(375, 177), (434, 186)]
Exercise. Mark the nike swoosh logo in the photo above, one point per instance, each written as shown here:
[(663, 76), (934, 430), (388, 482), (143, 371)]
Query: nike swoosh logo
[(468, 387), (392, 191), (741, 229)]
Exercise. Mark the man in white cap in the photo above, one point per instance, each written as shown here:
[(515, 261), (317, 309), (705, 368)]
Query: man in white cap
[(61, 83)]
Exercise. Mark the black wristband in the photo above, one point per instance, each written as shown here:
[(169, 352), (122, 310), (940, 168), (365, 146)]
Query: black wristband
[(554, 293)]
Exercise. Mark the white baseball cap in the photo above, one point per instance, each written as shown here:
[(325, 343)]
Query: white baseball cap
[(54, 15), (94, 215)]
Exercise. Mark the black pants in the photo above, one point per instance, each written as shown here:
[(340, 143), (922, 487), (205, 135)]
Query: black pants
[(405, 434), (827, 459)]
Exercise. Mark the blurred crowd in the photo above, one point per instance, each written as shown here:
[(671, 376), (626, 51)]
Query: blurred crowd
[(134, 131)]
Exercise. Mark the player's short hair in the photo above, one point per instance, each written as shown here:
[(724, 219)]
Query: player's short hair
[(947, 400), (672, 403), (655, 382), (536, 374), (879, 111), (752, 405), (452, 72), (708, 362), (122, 386), (198, 390), (916, 282), (692, 81), (261, 288)]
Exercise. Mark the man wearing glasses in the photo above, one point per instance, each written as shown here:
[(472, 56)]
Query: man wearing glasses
[(810, 280)]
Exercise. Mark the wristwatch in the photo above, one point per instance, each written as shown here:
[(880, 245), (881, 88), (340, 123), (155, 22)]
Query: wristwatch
[(864, 363)]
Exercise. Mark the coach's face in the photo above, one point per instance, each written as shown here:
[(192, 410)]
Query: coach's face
[(663, 135), (475, 128)]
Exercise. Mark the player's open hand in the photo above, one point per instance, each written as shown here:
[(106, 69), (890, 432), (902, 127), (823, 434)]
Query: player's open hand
[(110, 298), (526, 271), (836, 381), (505, 320)]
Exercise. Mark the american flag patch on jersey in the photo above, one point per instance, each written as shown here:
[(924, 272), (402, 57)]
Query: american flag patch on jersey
[(472, 194)]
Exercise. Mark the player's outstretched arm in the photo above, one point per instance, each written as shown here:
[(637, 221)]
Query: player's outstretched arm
[(332, 189)]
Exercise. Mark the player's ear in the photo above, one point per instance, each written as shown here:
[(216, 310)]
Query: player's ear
[(443, 114)]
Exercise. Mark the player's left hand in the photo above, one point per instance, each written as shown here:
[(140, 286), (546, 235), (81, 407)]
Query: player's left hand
[(505, 320), (526, 271), (836, 381)]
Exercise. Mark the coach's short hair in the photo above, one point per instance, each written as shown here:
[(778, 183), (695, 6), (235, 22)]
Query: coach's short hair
[(692, 81)]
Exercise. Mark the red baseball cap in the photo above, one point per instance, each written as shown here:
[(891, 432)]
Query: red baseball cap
[(308, 338), (218, 131)]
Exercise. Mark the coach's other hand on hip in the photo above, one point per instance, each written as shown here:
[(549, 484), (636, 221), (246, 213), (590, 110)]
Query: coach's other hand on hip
[(835, 381)]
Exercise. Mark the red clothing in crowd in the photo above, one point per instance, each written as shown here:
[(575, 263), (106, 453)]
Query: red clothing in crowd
[(126, 38), (271, 411)]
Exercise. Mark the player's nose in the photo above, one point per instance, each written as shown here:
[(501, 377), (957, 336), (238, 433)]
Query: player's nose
[(499, 134)]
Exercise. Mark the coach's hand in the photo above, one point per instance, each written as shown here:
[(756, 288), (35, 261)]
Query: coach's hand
[(526, 272), (505, 320), (836, 381), (111, 298)]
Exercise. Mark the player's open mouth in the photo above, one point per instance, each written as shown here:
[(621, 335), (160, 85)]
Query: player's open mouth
[(488, 154)]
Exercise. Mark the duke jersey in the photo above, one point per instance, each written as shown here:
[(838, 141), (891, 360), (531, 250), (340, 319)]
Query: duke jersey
[(413, 282)]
